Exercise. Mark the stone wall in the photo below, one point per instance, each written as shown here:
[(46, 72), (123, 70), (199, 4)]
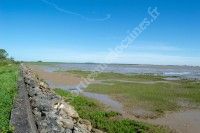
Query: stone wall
[(50, 112)]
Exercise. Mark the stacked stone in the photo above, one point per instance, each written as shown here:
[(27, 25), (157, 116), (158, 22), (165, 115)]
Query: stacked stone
[(52, 114)]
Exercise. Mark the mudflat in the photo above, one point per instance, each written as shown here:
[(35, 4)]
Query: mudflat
[(183, 122), (56, 77), (147, 98)]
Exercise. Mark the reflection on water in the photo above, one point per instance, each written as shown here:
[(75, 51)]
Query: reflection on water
[(116, 106)]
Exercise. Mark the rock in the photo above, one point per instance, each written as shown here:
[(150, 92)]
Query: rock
[(54, 97), (30, 81), (69, 110), (37, 114), (41, 104), (34, 92), (52, 122), (67, 123), (43, 86), (86, 123), (68, 131), (80, 128), (64, 115), (94, 130), (66, 108), (76, 130)]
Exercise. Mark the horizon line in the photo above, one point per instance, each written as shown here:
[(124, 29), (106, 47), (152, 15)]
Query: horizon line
[(40, 61)]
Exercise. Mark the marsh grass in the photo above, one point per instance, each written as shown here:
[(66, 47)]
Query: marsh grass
[(112, 75), (157, 97), (8, 85), (110, 122)]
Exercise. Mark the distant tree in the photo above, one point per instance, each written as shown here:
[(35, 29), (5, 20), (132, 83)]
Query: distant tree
[(3, 54), (12, 59)]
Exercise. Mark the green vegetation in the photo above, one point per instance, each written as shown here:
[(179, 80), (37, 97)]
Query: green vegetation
[(3, 54), (158, 97), (41, 63), (147, 92), (8, 85), (110, 122), (111, 75)]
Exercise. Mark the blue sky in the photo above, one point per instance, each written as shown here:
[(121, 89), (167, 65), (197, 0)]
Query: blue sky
[(85, 30)]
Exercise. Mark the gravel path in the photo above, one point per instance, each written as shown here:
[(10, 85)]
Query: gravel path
[(21, 115)]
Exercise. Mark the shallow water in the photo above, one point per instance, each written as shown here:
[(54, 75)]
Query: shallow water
[(183, 122), (115, 106), (105, 99), (182, 71)]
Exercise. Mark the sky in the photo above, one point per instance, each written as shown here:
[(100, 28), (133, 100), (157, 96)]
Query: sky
[(88, 30)]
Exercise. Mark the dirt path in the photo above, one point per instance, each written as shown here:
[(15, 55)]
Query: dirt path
[(22, 119)]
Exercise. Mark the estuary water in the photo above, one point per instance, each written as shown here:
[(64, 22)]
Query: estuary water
[(181, 71)]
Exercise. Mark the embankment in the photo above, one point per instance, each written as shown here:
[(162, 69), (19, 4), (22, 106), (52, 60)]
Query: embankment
[(39, 109)]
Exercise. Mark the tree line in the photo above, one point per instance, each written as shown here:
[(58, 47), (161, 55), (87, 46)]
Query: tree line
[(4, 57)]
